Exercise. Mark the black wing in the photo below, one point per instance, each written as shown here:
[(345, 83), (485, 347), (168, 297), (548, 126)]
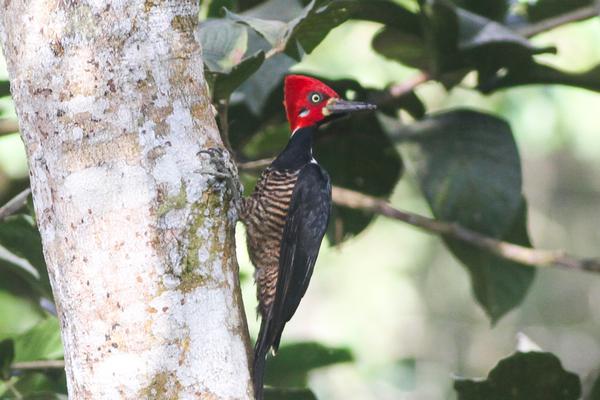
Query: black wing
[(305, 226), (304, 229)]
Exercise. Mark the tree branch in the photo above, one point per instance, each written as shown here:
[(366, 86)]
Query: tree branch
[(253, 166), (8, 126), (545, 25), (409, 85), (509, 251), (14, 204), (41, 364), (137, 230), (403, 88)]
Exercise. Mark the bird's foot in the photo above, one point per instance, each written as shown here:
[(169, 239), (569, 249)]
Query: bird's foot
[(221, 165)]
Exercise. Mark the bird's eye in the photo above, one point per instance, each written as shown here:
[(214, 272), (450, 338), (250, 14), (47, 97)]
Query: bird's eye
[(315, 98)]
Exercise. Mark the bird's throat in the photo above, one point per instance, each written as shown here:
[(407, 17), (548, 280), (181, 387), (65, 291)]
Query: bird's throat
[(298, 151)]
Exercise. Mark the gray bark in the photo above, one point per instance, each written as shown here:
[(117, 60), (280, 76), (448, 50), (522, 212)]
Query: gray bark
[(137, 228)]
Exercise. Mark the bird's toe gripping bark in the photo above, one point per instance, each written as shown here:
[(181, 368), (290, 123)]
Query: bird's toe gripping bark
[(219, 164)]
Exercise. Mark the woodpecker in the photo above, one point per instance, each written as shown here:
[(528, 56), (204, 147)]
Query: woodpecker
[(286, 217)]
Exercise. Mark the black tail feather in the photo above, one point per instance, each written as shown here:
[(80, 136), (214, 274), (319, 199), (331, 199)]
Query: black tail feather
[(260, 355)]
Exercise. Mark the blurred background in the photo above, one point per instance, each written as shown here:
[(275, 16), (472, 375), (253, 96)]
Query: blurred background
[(393, 295)]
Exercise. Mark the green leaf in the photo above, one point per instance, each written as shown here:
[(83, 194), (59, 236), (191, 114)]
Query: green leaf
[(401, 38), (259, 88), (458, 39), (50, 385), (523, 376), (293, 362), (20, 236), (499, 285), (19, 305), (289, 394), (282, 10), (224, 44), (358, 155), (593, 387), (317, 20), (477, 31), (543, 9), (303, 33), (215, 8), (7, 355), (390, 14), (42, 342), (4, 88), (225, 84), (406, 48), (274, 31), (492, 9), (441, 32), (540, 74), (468, 167)]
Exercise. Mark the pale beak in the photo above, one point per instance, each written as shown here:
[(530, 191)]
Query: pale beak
[(339, 106)]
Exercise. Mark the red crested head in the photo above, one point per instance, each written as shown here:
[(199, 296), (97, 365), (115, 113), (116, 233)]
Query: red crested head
[(305, 99), (309, 102)]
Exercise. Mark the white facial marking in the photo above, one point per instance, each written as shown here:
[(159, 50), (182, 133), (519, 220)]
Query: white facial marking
[(304, 113)]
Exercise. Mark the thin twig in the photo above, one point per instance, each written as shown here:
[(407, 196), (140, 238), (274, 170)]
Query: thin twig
[(14, 204), (407, 86), (41, 364), (401, 89), (8, 125), (545, 25), (509, 251), (255, 165), (10, 385)]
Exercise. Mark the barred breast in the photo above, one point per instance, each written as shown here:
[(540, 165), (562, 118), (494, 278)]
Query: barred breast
[(264, 214)]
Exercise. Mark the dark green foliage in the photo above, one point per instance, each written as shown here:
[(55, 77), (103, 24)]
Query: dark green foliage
[(223, 44), (19, 235), (459, 39), (594, 390), (42, 342), (523, 376), (455, 40), (4, 88), (43, 385), (288, 394), (405, 47), (303, 33), (543, 9), (468, 167), (359, 156), (294, 361), (542, 74), (215, 8), (225, 84), (7, 355), (492, 9)]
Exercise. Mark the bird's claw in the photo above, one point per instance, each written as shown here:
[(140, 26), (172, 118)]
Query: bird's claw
[(222, 166)]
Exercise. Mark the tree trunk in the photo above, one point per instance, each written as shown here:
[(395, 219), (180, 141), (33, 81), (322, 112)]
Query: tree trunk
[(138, 231)]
